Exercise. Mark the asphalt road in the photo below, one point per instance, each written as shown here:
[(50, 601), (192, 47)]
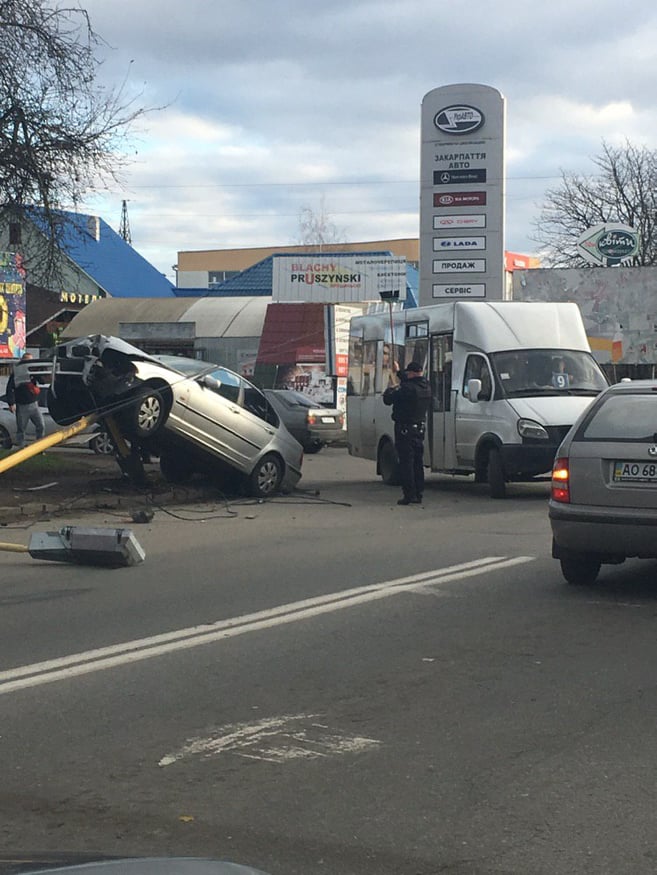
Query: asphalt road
[(333, 684)]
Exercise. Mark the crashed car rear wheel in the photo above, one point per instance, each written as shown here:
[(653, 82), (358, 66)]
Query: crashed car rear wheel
[(266, 477)]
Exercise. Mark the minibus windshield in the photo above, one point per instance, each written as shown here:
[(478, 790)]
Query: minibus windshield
[(526, 372)]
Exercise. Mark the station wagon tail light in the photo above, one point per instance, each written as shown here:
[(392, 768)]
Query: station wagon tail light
[(311, 419), (560, 478)]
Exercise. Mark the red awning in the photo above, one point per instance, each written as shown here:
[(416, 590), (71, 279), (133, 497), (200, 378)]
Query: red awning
[(292, 333)]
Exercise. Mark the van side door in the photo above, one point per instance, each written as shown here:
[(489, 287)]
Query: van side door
[(441, 419), (473, 418)]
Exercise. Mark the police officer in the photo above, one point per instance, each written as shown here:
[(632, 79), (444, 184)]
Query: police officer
[(410, 400)]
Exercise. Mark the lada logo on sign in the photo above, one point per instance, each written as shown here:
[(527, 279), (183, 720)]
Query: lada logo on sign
[(458, 119)]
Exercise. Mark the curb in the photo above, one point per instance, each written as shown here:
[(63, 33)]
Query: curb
[(34, 510)]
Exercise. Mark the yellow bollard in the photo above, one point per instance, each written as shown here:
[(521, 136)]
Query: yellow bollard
[(50, 441)]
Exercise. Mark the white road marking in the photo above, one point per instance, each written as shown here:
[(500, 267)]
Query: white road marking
[(116, 655), (274, 740)]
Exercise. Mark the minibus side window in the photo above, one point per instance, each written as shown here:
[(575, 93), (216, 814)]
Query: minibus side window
[(369, 367), (355, 374), (441, 372)]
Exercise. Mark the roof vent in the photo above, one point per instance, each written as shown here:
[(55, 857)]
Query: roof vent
[(93, 227)]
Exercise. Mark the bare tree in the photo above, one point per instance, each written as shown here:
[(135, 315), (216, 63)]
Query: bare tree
[(624, 190), (316, 228), (61, 133)]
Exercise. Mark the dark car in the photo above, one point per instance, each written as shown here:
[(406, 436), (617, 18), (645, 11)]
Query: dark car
[(603, 506), (310, 423)]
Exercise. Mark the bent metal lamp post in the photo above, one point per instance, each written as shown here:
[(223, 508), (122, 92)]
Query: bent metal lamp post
[(44, 443), (83, 545)]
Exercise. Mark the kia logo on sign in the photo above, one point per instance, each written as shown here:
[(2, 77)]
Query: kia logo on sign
[(446, 199), (458, 119)]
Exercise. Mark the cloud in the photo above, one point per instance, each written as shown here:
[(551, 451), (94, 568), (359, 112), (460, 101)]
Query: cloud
[(272, 106)]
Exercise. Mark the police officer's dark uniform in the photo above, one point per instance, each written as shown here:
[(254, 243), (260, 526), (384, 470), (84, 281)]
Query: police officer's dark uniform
[(410, 402)]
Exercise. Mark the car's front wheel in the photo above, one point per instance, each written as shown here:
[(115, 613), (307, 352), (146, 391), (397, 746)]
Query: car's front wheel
[(580, 570), (266, 477), (149, 413), (312, 447)]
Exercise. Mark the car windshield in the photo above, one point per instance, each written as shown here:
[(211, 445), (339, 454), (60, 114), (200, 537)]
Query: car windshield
[(525, 372), (185, 365)]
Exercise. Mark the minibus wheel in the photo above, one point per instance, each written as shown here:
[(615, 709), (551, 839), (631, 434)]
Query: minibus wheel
[(496, 476), (388, 464)]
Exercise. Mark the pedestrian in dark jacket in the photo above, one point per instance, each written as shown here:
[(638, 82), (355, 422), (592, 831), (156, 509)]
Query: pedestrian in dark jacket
[(410, 400), (23, 399)]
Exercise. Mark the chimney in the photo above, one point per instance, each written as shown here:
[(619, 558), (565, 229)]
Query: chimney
[(93, 227)]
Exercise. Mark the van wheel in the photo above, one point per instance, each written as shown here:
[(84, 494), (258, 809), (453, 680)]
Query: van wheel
[(388, 464), (496, 476), (580, 570)]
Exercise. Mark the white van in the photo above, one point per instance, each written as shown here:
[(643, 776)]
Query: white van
[(508, 380)]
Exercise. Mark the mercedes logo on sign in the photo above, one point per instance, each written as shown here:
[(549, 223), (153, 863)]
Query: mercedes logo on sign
[(652, 451)]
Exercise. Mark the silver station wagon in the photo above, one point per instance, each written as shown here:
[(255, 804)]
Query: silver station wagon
[(603, 504), (195, 415)]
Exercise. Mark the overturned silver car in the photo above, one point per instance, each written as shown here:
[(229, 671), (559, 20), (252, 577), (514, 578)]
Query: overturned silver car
[(193, 414)]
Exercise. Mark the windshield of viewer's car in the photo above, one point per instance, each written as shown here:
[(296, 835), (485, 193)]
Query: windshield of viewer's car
[(526, 372)]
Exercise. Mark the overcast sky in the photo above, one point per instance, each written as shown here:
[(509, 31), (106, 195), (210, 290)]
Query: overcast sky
[(275, 106)]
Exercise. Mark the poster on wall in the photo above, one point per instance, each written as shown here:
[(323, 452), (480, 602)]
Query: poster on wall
[(311, 379), (12, 305), (246, 360)]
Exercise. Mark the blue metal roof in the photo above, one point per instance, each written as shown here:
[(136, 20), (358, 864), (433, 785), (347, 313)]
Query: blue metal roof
[(110, 262), (258, 279), (254, 280)]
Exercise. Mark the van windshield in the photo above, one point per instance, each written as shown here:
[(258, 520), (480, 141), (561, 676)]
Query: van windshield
[(524, 372)]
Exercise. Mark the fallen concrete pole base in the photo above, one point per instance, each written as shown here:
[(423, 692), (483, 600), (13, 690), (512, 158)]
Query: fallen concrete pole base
[(81, 545)]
